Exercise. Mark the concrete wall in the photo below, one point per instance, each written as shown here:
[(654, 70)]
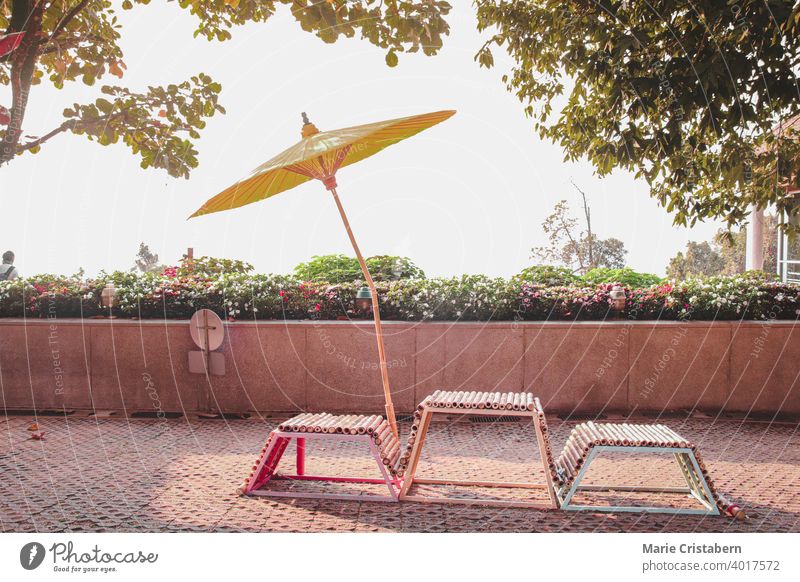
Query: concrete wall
[(585, 367)]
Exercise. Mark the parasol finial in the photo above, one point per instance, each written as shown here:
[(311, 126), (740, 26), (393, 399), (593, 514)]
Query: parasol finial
[(309, 128)]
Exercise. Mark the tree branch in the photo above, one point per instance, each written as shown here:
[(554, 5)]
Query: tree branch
[(587, 212), (25, 17), (69, 124), (67, 18)]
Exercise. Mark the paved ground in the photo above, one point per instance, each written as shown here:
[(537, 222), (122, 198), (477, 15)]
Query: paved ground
[(113, 474)]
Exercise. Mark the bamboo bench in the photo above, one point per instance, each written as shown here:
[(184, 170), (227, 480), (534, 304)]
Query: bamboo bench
[(489, 404), (564, 474), (586, 441), (373, 431)]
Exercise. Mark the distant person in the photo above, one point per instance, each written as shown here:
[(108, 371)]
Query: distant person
[(7, 270)]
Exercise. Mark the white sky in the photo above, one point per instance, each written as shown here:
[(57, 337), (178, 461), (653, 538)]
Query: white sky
[(467, 196)]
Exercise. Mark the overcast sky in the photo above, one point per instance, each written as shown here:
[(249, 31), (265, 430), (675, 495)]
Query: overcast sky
[(467, 196)]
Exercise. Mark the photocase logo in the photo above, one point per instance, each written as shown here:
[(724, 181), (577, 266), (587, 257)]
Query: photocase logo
[(31, 555)]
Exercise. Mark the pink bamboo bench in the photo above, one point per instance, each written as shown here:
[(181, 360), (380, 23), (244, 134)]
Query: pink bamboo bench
[(373, 431)]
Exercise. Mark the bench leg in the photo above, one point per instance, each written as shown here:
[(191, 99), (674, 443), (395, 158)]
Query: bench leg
[(416, 453), (698, 487), (279, 442), (551, 492), (416, 450), (701, 491), (301, 456)]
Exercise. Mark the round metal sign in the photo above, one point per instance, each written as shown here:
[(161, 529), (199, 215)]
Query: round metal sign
[(207, 329)]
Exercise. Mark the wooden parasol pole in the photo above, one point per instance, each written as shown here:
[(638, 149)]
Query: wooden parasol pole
[(390, 416)]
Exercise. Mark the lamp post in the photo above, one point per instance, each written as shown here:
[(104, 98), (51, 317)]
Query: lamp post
[(108, 297), (364, 300), (617, 296)]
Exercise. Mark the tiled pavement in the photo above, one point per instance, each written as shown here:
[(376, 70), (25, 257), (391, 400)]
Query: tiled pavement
[(113, 474)]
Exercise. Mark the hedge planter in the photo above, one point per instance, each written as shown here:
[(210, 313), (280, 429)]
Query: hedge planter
[(575, 367)]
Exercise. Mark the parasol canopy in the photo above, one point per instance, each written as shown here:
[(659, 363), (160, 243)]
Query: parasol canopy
[(319, 155)]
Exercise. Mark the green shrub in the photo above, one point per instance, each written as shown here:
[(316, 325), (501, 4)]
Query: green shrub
[(744, 296), (626, 277), (755, 275), (53, 296), (390, 268), (243, 296), (469, 297), (338, 269), (547, 275), (210, 267)]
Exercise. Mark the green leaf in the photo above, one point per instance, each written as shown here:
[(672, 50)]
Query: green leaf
[(104, 105)]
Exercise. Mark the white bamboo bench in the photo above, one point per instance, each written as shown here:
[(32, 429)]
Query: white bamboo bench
[(586, 441), (488, 404)]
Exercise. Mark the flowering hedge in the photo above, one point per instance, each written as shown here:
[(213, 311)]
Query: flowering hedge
[(243, 296)]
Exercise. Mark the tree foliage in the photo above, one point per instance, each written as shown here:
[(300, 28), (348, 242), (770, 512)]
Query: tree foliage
[(79, 41), (570, 245), (701, 259), (146, 261), (395, 25), (682, 94), (725, 254)]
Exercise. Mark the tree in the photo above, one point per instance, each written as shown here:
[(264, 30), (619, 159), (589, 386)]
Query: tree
[(78, 40), (609, 253), (725, 254), (683, 94), (580, 250), (146, 260), (701, 260), (732, 247)]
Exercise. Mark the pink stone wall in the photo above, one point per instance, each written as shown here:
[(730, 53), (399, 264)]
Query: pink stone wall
[(585, 367)]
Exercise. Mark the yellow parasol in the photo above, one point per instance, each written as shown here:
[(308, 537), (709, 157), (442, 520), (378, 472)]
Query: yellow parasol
[(319, 155)]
